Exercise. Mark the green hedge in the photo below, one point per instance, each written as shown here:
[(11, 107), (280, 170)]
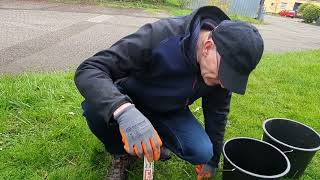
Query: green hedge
[(154, 1), (311, 13), (183, 3), (302, 7)]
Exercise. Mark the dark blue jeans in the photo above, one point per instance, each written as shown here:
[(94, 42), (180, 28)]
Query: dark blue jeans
[(180, 132)]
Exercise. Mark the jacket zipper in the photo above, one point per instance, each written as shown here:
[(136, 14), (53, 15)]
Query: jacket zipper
[(193, 89)]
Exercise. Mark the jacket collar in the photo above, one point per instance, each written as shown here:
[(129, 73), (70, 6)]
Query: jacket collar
[(212, 12)]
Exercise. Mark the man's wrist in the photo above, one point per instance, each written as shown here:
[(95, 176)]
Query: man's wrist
[(120, 109)]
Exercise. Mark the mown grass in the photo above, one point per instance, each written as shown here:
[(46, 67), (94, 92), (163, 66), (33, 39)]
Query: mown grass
[(44, 136), (170, 7)]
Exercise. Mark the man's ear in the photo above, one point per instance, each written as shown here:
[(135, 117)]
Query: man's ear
[(208, 45)]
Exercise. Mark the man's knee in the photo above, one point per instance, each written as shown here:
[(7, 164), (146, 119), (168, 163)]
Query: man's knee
[(91, 114), (87, 112), (200, 153), (95, 122)]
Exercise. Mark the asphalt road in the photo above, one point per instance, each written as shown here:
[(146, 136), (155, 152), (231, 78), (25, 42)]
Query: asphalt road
[(40, 36)]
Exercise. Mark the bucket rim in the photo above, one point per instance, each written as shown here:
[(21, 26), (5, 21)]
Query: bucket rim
[(254, 174), (285, 144)]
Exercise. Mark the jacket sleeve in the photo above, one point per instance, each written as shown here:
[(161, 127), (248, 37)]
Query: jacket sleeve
[(216, 107), (95, 77)]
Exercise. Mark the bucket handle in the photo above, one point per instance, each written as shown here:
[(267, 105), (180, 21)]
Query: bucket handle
[(229, 170), (290, 151)]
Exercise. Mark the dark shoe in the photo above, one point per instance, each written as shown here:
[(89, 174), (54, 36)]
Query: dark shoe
[(119, 167), (164, 154)]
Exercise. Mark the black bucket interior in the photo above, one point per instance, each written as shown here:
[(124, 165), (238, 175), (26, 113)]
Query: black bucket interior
[(293, 134), (256, 157)]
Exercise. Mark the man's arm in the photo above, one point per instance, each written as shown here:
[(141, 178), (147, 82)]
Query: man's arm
[(95, 76), (95, 80), (216, 107)]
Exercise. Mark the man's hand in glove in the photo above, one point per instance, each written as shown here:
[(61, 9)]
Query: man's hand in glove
[(205, 171), (138, 135)]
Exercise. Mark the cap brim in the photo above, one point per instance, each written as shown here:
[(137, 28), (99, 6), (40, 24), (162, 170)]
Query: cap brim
[(232, 80)]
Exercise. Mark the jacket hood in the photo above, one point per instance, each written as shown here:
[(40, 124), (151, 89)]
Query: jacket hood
[(211, 12)]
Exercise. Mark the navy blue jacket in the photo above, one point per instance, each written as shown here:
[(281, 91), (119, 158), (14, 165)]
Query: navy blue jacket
[(154, 70)]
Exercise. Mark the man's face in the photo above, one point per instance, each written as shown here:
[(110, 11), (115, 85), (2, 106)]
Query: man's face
[(209, 61)]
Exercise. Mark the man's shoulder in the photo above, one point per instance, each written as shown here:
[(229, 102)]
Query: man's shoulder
[(173, 24), (168, 27)]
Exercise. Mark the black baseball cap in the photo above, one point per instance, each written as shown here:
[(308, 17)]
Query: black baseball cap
[(240, 46)]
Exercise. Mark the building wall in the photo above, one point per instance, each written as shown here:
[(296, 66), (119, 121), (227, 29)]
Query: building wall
[(275, 6)]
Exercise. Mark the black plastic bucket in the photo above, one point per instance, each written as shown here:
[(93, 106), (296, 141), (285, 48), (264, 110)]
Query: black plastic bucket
[(251, 159), (298, 141)]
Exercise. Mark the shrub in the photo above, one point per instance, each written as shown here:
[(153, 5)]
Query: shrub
[(311, 13), (142, 1), (222, 4), (302, 7), (183, 3), (157, 1)]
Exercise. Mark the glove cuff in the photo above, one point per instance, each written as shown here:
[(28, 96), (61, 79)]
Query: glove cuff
[(123, 111)]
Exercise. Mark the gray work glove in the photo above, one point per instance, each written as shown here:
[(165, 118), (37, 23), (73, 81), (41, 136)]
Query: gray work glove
[(138, 135)]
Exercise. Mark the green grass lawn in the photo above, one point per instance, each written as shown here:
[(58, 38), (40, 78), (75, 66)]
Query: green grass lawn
[(44, 136), (169, 6)]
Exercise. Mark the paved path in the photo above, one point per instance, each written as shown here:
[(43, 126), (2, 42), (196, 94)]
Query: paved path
[(40, 36), (287, 34)]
